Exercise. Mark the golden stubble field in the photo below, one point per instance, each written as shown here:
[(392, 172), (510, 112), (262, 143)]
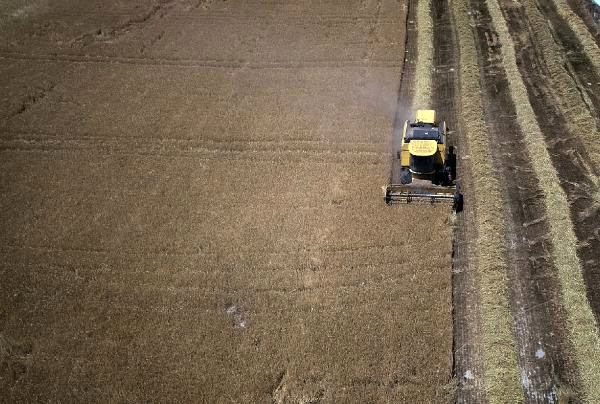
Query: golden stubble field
[(191, 210)]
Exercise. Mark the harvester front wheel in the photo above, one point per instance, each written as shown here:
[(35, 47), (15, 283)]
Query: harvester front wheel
[(405, 176)]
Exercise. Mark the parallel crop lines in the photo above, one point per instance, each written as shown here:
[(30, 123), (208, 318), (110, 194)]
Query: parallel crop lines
[(208, 63), (501, 378), (242, 18), (587, 40), (323, 152), (185, 143), (568, 95), (201, 253), (582, 328), (301, 227), (324, 159), (183, 149)]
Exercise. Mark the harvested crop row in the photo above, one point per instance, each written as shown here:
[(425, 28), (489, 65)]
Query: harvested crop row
[(501, 376), (566, 89), (582, 329), (425, 55), (578, 26), (445, 86)]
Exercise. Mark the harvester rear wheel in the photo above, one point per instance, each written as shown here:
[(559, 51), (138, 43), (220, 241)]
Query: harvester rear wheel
[(451, 162), (458, 203)]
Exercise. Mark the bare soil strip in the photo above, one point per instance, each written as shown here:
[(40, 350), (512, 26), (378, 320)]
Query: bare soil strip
[(500, 378), (539, 326), (581, 326)]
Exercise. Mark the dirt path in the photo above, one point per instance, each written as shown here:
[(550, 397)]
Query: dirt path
[(539, 322)]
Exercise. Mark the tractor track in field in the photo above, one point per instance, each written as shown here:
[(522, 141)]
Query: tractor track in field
[(566, 151), (539, 321), (299, 18), (194, 63), (467, 358), (135, 22)]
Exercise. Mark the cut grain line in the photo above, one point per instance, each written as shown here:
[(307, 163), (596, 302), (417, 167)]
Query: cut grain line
[(585, 37), (424, 55), (582, 328), (501, 376)]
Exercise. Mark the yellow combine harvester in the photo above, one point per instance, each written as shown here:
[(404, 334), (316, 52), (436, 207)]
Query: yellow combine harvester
[(427, 164)]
